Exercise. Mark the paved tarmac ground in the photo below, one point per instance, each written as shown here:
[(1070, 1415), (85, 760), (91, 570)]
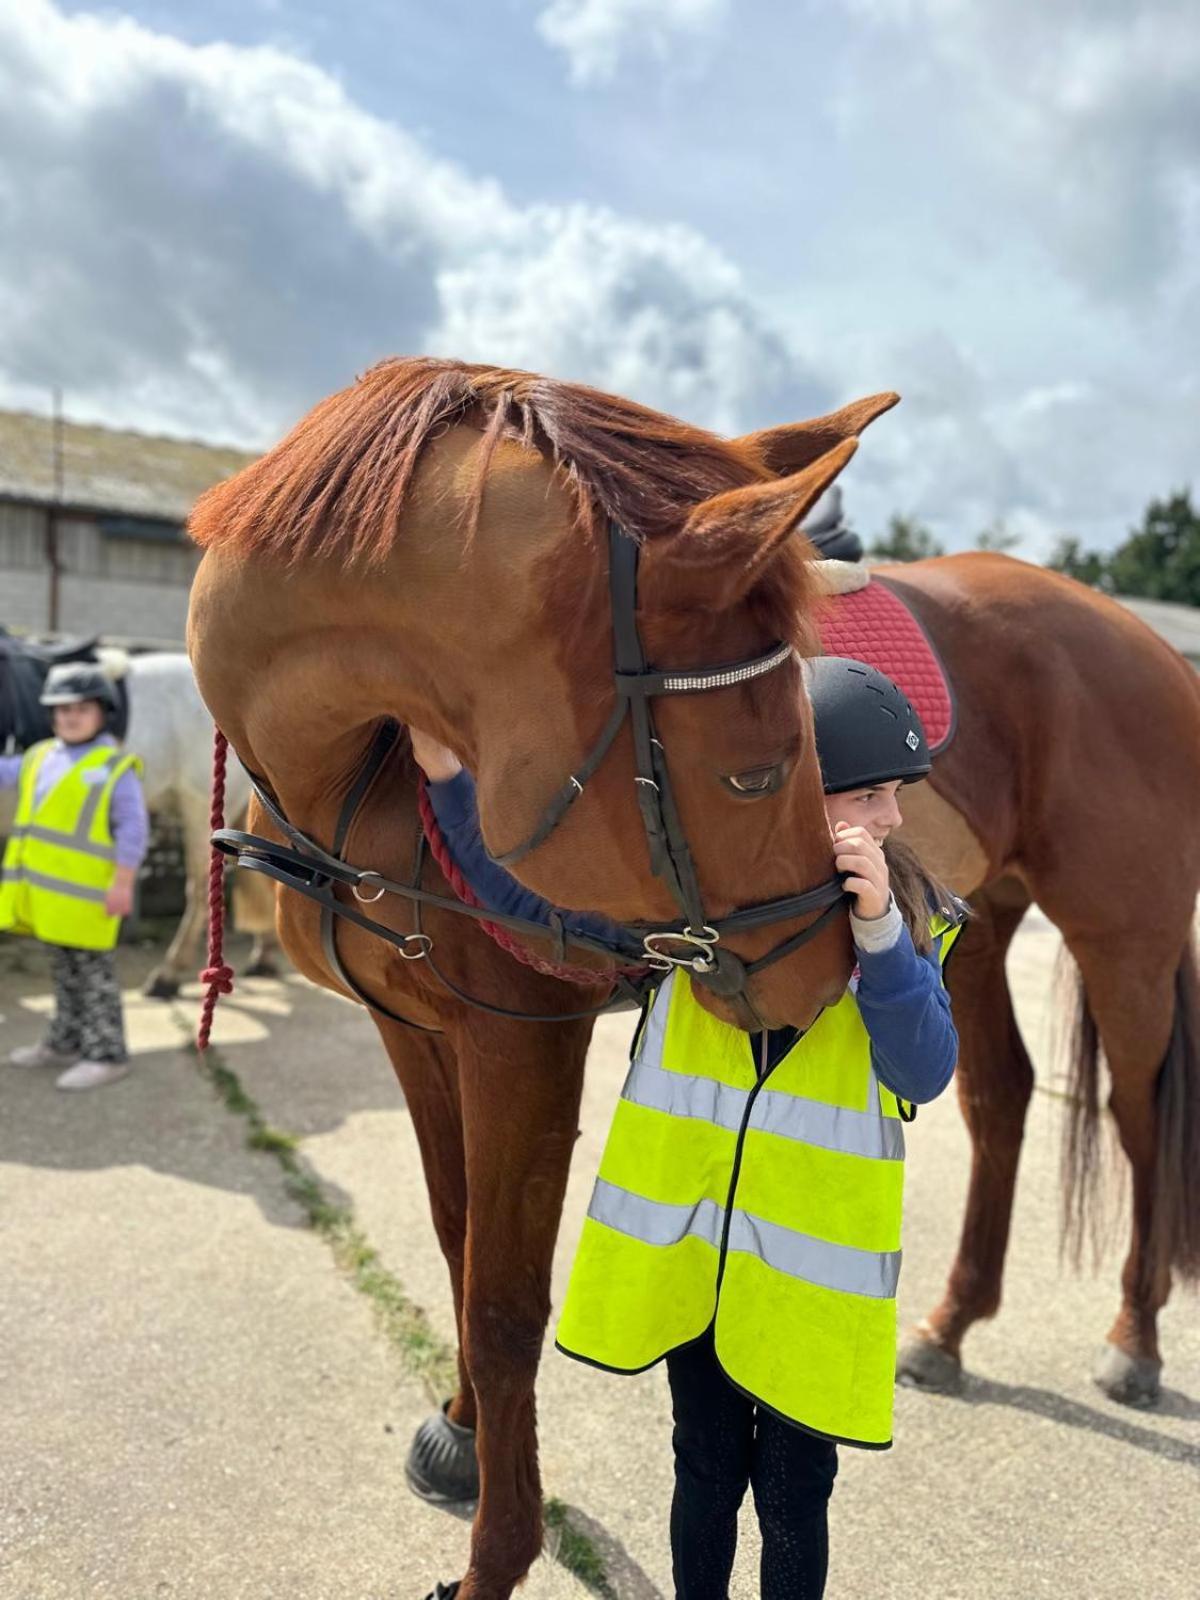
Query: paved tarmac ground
[(198, 1403)]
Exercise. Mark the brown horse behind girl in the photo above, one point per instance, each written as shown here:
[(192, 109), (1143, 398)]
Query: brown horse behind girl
[(430, 546)]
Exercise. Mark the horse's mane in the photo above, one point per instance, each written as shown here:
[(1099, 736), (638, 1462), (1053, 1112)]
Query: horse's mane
[(335, 486)]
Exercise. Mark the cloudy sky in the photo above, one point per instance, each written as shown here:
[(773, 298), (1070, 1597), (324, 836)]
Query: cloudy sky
[(212, 214)]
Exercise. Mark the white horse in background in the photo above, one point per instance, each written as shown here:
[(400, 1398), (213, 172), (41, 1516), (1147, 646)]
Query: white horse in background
[(171, 730)]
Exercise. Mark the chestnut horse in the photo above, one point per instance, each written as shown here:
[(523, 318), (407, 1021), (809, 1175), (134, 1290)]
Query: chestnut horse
[(429, 546)]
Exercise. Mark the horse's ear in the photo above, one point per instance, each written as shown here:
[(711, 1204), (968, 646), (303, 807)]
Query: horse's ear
[(721, 551), (797, 444)]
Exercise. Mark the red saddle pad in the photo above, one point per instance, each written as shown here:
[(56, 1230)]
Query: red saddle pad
[(874, 624)]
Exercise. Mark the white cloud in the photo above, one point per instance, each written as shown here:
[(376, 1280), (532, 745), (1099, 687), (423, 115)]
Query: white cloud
[(1085, 110), (208, 239), (596, 35)]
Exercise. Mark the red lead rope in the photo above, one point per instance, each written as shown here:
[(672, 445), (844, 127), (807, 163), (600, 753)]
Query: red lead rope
[(216, 975)]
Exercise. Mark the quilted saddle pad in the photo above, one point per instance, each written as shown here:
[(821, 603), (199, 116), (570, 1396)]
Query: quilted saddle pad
[(873, 624)]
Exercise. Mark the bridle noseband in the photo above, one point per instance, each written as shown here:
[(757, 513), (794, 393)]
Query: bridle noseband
[(697, 945)]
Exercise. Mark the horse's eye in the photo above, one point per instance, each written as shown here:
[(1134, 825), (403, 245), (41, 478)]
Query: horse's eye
[(758, 781)]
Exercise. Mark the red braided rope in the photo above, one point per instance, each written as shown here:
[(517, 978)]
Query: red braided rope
[(216, 975), (450, 871)]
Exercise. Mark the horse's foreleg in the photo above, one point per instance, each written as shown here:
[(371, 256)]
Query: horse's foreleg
[(182, 958), (521, 1088), (441, 1464), (1130, 988), (995, 1081)]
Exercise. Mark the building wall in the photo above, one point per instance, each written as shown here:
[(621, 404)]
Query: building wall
[(128, 587), (149, 613), (24, 599)]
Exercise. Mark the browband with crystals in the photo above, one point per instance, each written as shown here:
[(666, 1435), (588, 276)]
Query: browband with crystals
[(721, 677), (652, 683)]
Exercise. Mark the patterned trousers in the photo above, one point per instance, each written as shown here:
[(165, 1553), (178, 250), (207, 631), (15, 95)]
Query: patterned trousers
[(87, 1006)]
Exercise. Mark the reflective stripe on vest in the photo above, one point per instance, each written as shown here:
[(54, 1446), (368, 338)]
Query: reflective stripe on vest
[(834, 1266), (59, 863), (767, 1208)]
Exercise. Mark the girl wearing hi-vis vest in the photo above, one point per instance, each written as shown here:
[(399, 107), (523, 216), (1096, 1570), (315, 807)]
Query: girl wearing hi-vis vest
[(745, 1223), (78, 838)]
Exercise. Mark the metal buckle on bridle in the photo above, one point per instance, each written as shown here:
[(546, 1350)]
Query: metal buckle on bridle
[(702, 941), (422, 941)]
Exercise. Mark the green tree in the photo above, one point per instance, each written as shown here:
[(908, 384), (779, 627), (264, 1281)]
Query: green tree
[(1161, 559), (1069, 556), (997, 537), (906, 539)]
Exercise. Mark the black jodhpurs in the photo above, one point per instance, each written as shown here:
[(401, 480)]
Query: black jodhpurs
[(724, 1442)]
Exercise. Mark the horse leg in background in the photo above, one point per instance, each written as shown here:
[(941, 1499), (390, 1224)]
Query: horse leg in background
[(254, 912), (1141, 993), (995, 1082), (181, 962), (521, 1085), (441, 1464)]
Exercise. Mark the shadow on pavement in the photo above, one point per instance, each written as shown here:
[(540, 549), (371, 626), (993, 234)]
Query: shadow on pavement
[(309, 1060), (1073, 1414)]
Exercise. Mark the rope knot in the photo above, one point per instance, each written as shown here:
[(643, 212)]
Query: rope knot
[(218, 979)]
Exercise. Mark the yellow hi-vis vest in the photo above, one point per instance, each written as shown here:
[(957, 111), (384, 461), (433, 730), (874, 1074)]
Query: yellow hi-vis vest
[(60, 861), (769, 1208)]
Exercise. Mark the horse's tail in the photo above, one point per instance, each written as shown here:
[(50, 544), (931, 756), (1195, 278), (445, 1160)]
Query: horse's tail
[(1174, 1244), (1081, 1151), (1175, 1238)]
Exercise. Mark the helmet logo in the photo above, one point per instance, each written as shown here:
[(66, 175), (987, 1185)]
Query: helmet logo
[(911, 740)]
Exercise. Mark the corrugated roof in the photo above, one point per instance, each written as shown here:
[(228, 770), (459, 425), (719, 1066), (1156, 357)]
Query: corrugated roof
[(110, 470)]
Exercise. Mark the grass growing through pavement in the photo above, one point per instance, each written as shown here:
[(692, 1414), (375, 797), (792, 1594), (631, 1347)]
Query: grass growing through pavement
[(403, 1323)]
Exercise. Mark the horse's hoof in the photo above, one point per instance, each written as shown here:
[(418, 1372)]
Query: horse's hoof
[(442, 1466), (264, 967), (160, 986), (922, 1364), (1133, 1380), (443, 1591)]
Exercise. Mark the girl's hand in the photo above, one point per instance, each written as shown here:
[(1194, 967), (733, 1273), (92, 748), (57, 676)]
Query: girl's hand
[(438, 763), (118, 902), (857, 855)]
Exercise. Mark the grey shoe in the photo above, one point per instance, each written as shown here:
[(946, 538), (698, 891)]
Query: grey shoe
[(41, 1055), (92, 1074)]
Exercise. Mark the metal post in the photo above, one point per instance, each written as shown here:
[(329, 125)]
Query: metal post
[(52, 551)]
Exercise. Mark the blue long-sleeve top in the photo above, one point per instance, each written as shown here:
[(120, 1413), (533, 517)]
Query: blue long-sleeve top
[(904, 1007)]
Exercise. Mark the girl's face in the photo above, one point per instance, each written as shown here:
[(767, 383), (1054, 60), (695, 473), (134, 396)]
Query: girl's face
[(77, 723), (876, 809)]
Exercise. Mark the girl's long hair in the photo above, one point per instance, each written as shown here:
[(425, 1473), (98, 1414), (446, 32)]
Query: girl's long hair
[(917, 893)]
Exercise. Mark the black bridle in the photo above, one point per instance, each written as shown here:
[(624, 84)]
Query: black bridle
[(697, 944)]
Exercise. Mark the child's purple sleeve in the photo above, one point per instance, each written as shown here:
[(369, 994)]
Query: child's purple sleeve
[(128, 820)]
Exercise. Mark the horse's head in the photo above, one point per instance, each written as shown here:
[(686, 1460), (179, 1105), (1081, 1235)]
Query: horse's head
[(730, 580), (433, 545)]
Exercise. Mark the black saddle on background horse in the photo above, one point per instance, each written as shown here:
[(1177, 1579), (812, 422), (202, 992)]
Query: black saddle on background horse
[(826, 527)]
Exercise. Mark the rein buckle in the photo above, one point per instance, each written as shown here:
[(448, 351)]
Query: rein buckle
[(702, 958)]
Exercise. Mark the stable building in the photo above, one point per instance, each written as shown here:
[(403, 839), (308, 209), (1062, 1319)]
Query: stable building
[(92, 527)]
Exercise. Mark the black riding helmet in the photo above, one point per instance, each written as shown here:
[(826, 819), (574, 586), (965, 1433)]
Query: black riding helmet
[(866, 730), (71, 682)]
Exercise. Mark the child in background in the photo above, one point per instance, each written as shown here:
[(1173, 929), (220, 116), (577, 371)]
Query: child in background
[(78, 838)]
